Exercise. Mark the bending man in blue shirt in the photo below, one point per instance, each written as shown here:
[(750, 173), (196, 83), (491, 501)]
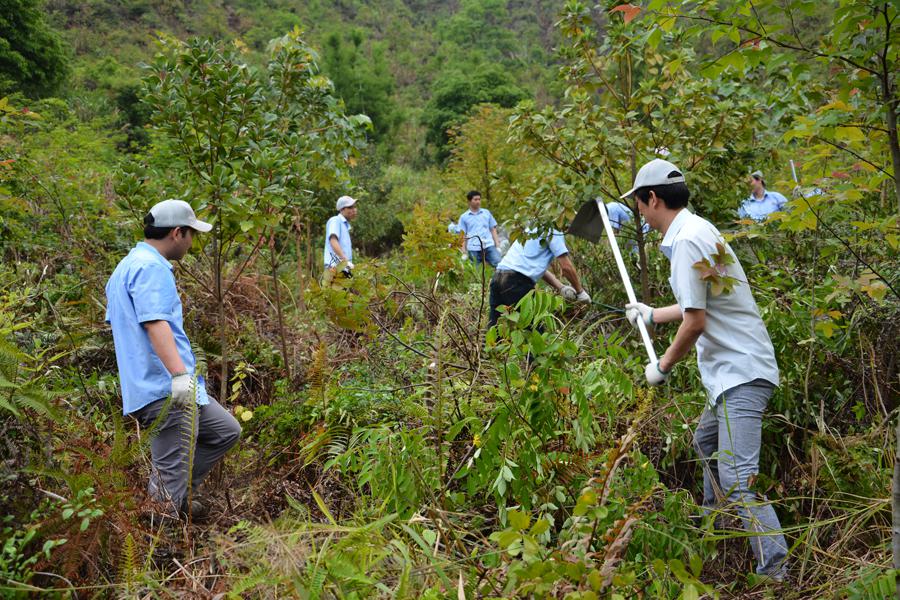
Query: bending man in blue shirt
[(480, 227), (157, 366), (524, 264), (734, 353), (761, 202)]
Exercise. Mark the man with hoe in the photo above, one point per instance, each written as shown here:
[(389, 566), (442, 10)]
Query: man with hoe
[(480, 227), (734, 353), (157, 368), (338, 247), (524, 264)]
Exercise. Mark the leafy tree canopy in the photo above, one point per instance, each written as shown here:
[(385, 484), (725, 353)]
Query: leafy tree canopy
[(33, 59), (456, 93), (362, 79)]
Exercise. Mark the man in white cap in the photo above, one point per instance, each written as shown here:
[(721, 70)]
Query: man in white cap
[(338, 247), (160, 387), (761, 202), (734, 352)]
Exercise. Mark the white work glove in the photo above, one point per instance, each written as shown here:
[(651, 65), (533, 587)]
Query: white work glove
[(568, 293), (654, 374), (349, 265), (639, 309), (183, 390), (583, 297)]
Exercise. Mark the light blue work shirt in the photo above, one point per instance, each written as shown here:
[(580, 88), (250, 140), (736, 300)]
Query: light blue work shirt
[(619, 215), (533, 258), (339, 226), (734, 347), (142, 289), (477, 227), (759, 209)]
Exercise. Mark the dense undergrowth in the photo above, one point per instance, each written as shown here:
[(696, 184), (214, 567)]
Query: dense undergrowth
[(408, 455), (392, 447)]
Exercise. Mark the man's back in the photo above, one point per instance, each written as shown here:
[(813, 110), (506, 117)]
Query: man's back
[(142, 289), (735, 347)]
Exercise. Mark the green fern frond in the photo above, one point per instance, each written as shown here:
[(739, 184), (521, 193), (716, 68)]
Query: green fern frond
[(257, 577), (128, 563), (317, 374)]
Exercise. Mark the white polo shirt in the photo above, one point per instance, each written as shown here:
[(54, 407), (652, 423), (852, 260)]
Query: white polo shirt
[(734, 347)]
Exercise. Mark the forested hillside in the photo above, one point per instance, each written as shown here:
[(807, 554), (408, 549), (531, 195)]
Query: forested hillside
[(392, 443)]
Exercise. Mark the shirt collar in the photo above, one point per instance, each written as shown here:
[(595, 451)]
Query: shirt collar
[(155, 253), (764, 196), (674, 227), (471, 212), (343, 219)]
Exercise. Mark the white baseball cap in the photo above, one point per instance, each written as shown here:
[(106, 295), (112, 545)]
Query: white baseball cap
[(655, 172), (345, 202), (177, 213)]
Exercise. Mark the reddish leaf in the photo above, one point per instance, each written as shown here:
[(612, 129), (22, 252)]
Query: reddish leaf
[(751, 42), (629, 11), (840, 175)]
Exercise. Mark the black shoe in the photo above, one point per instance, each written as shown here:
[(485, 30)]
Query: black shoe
[(199, 511)]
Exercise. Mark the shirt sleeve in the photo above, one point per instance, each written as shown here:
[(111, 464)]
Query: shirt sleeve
[(742, 210), (332, 229), (689, 289), (557, 244), (780, 200), (153, 293), (463, 226), (492, 222)]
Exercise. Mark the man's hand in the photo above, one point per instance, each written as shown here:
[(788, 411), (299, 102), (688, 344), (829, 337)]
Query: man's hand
[(655, 375), (583, 297), (183, 390), (639, 310), (349, 265), (568, 293)]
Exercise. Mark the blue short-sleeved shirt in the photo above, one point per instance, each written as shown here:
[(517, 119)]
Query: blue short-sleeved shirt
[(339, 226), (760, 208), (142, 289), (734, 347), (619, 215), (477, 226), (534, 256)]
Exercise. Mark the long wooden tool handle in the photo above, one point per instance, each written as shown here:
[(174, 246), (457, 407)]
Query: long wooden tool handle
[(626, 280)]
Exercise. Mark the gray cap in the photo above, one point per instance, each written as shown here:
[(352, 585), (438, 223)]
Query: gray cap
[(177, 213), (757, 174), (345, 202)]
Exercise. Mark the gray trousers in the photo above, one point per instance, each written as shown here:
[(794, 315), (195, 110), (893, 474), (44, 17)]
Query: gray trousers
[(213, 430), (727, 441)]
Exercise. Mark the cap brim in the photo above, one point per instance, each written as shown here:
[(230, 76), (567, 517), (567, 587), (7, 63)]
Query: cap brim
[(627, 194), (201, 226)]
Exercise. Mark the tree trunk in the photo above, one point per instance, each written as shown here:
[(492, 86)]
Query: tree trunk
[(220, 300), (891, 104), (894, 142), (278, 309), (895, 493), (641, 240)]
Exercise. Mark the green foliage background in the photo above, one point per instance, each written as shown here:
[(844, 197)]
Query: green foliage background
[(392, 447)]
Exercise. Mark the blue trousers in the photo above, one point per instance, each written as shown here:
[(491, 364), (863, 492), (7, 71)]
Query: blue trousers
[(727, 441), (490, 255)]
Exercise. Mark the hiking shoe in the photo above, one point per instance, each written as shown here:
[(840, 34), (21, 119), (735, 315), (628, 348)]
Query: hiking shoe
[(199, 511)]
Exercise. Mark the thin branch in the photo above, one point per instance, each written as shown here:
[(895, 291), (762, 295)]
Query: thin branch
[(849, 151), (779, 43)]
